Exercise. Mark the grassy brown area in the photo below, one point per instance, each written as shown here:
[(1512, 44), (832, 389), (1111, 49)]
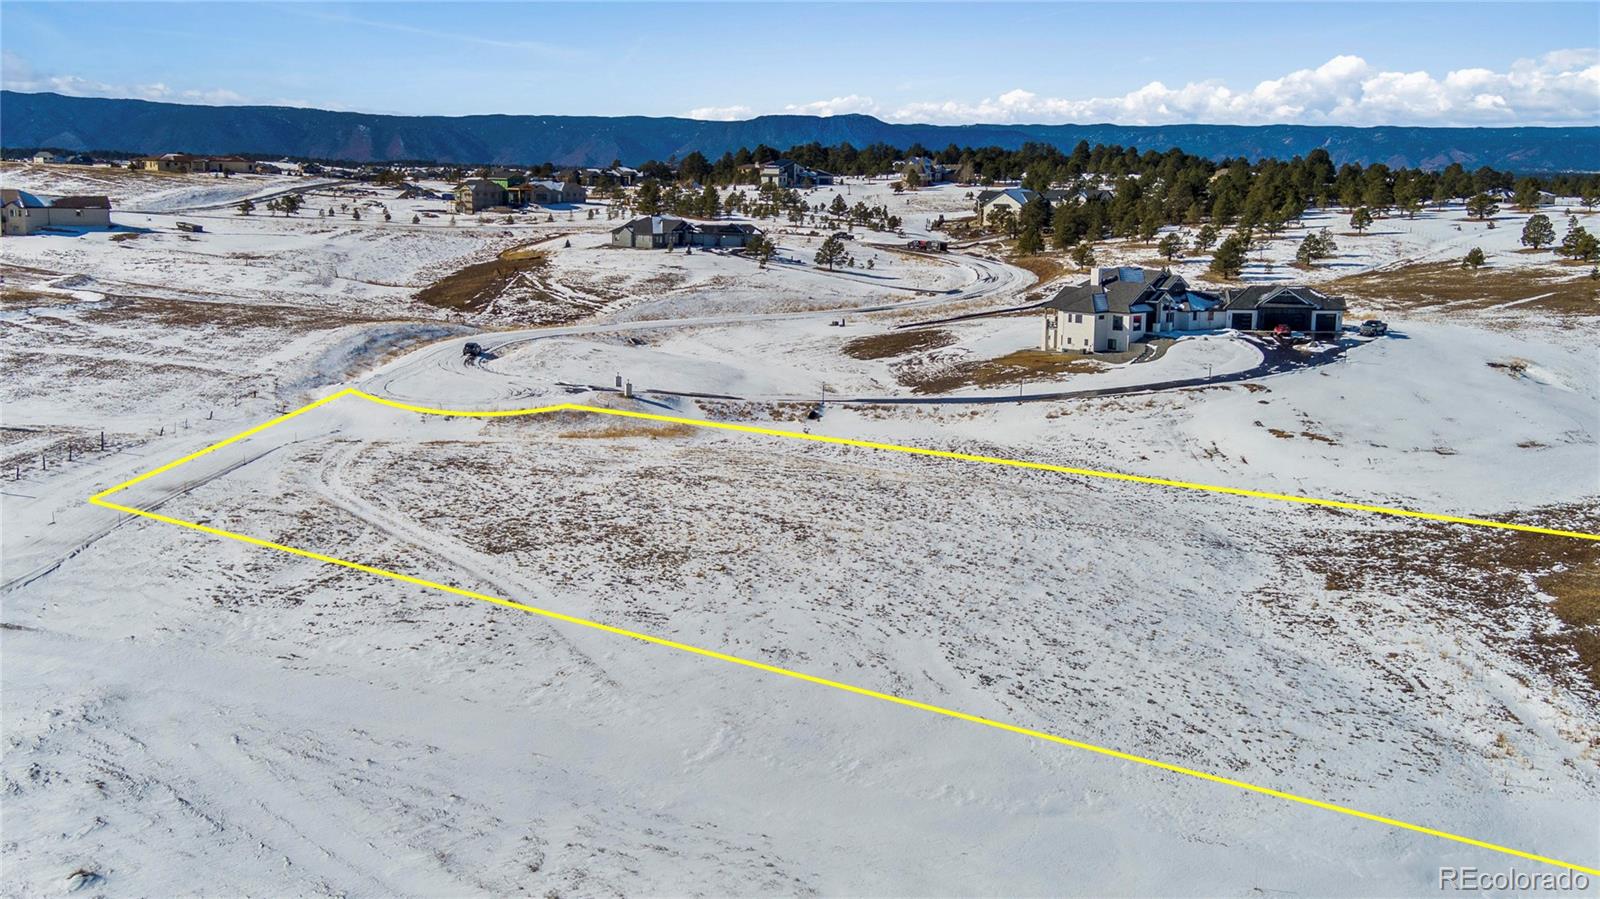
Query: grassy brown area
[(1496, 579), (723, 410), (897, 343), (474, 287), (1570, 291), (653, 430), (1019, 367), (116, 310), (16, 297), (1045, 268)]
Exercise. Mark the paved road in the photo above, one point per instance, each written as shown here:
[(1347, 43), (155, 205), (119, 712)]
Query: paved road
[(1275, 360), (435, 374)]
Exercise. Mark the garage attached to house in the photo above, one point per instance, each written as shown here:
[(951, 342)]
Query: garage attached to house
[(1264, 307)]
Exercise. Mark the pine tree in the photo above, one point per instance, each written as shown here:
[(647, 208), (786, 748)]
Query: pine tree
[(1171, 246), (1527, 194), (1083, 255), (1578, 244), (246, 207), (1002, 219), (1538, 232), (1315, 246), (1030, 242), (1205, 238), (830, 253), (764, 250), (1361, 219), (1228, 262), (648, 198), (1482, 206), (1474, 258)]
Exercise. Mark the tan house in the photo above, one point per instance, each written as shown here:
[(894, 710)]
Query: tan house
[(545, 193), (186, 164), (1012, 198), (23, 213), (478, 194)]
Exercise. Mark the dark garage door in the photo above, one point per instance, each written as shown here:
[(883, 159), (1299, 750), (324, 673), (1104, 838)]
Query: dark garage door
[(1297, 318)]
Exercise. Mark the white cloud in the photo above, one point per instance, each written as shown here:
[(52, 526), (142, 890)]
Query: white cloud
[(855, 103), (18, 75), (1561, 87), (721, 113)]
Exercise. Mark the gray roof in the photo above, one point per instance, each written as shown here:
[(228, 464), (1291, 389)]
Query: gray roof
[(1256, 295), (653, 224), (1021, 194), (726, 228), (1127, 290), (9, 196), (82, 202)]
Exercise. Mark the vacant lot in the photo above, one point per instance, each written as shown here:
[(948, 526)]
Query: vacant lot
[(898, 343), (1561, 289)]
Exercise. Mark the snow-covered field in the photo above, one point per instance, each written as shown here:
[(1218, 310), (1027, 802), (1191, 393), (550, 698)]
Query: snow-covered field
[(191, 716)]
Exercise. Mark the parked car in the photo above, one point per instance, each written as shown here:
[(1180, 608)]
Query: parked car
[(1374, 328), (844, 235)]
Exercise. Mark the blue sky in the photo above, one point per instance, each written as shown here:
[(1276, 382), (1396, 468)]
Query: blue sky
[(1355, 63)]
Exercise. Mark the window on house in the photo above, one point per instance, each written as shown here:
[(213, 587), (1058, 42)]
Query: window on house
[(1169, 318), (1116, 323)]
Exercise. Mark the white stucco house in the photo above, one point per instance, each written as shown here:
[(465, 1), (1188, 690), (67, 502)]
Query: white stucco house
[(1118, 306)]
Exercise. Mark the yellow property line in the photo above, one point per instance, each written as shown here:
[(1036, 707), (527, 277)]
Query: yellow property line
[(99, 499)]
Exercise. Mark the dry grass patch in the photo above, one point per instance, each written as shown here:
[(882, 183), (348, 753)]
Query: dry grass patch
[(168, 313), (1434, 284), (1020, 367), (473, 288), (897, 343), (654, 430), (1504, 585), (1045, 268)]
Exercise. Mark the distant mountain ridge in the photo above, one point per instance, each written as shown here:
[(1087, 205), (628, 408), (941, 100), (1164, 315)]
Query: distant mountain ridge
[(83, 123)]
